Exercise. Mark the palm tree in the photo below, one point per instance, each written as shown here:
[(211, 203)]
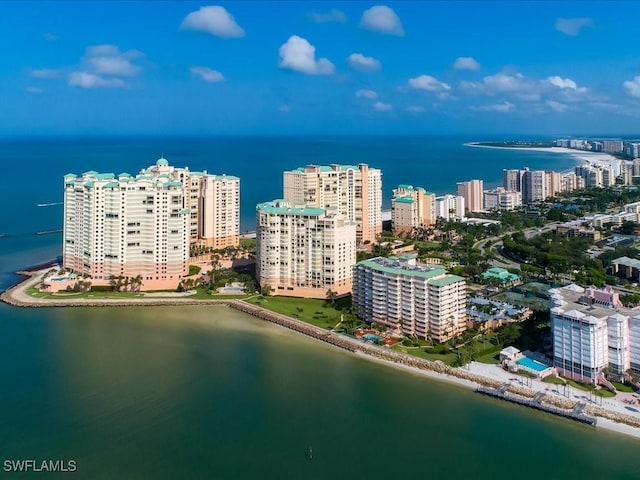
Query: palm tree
[(331, 297), (266, 290)]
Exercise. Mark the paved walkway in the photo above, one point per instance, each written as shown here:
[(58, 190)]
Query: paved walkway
[(612, 403)]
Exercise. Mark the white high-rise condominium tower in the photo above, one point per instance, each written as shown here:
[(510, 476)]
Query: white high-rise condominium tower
[(354, 190), (126, 226), (304, 251), (534, 186), (592, 331), (143, 226)]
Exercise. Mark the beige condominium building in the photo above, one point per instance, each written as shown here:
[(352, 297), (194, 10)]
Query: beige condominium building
[(214, 207), (471, 191), (304, 251), (421, 300), (411, 208), (142, 225), (354, 190)]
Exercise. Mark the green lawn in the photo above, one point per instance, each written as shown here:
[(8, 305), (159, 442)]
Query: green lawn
[(447, 358), (490, 358), (553, 380), (34, 292), (623, 387), (602, 392), (310, 310)]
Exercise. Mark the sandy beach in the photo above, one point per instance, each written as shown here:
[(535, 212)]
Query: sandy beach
[(582, 157), (483, 374)]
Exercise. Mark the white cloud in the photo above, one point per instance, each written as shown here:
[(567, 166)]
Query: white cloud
[(632, 86), (109, 60), (284, 108), (33, 90), (334, 16), (214, 20), (358, 61), (49, 37), (90, 80), (572, 26), (564, 83), (382, 107), (556, 106), (299, 55), (429, 83), (496, 107), (382, 19), (207, 74), (44, 73), (364, 93), (500, 83), (415, 109), (466, 63)]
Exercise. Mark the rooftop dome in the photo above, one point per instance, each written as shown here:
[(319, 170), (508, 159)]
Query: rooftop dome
[(162, 162)]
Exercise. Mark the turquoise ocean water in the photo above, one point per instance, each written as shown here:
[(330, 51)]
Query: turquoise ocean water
[(205, 392)]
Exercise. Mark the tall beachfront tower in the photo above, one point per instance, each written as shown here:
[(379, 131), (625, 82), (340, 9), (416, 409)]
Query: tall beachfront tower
[(354, 190), (592, 331), (214, 207), (420, 300), (471, 191), (127, 226), (304, 251), (412, 208)]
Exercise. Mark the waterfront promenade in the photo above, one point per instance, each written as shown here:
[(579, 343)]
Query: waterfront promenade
[(474, 376)]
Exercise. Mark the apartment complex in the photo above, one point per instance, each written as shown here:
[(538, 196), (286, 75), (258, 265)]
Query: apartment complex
[(471, 191), (412, 208), (304, 251), (421, 300), (501, 199), (450, 207), (534, 186), (214, 207), (592, 331), (354, 190), (132, 226), (127, 226)]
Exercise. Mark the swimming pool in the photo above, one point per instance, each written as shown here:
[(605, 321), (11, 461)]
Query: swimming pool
[(532, 364), (372, 338)]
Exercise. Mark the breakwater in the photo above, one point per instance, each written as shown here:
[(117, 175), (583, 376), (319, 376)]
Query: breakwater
[(502, 393)]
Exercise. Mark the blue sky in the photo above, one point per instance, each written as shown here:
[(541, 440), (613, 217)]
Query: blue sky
[(551, 68)]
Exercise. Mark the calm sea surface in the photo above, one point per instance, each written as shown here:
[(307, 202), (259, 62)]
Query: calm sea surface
[(206, 392)]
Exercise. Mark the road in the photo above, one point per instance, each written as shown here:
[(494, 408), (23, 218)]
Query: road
[(496, 248)]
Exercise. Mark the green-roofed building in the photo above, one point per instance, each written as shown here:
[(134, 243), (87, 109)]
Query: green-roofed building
[(500, 276), (415, 299), (412, 208), (304, 251), (144, 225), (355, 190)]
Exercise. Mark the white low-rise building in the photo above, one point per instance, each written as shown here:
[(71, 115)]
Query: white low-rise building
[(421, 300)]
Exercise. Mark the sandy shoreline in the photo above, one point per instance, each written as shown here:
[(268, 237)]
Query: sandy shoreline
[(17, 296), (581, 157)]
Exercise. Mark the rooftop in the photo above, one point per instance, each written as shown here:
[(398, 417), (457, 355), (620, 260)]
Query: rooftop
[(282, 207), (589, 305), (404, 266)]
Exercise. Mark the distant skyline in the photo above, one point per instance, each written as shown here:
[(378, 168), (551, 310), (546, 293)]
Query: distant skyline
[(538, 68)]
